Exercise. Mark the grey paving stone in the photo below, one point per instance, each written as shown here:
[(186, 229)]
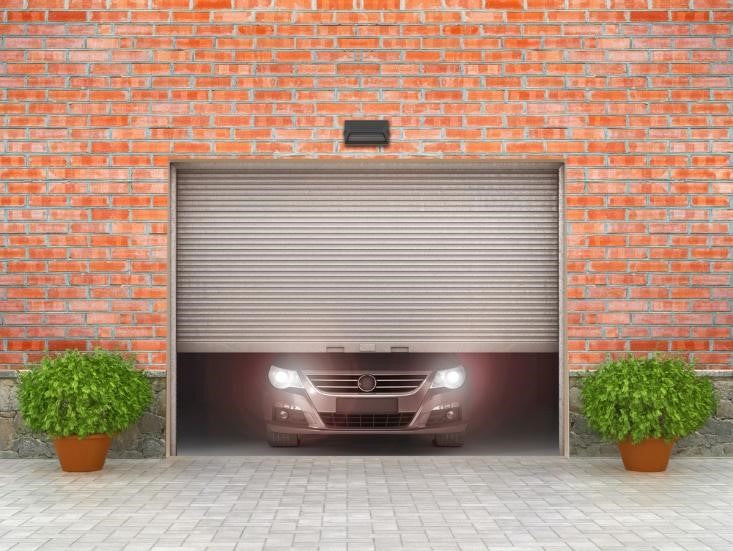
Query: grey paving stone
[(367, 503)]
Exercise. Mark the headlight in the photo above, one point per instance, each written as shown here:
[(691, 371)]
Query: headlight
[(284, 378), (450, 378)]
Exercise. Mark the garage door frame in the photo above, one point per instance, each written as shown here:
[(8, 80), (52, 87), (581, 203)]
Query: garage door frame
[(171, 417)]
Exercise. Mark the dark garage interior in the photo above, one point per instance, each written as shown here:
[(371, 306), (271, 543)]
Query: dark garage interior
[(513, 409)]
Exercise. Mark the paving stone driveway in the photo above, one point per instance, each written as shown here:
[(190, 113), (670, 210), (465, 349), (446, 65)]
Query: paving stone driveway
[(353, 503)]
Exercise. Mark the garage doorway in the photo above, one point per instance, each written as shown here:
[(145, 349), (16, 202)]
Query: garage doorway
[(365, 257), (512, 409)]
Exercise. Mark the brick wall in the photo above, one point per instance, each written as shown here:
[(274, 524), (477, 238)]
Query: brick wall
[(97, 97)]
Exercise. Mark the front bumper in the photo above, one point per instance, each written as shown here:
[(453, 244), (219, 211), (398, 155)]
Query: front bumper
[(290, 429), (311, 401)]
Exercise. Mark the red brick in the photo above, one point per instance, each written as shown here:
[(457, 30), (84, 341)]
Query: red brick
[(644, 345), (12, 359), (107, 266), (67, 15), (23, 267), (61, 345), (647, 181), (685, 345)]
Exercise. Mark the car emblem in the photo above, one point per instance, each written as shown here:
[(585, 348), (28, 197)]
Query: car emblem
[(366, 383)]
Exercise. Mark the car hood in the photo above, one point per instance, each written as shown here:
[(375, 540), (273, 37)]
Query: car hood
[(366, 362)]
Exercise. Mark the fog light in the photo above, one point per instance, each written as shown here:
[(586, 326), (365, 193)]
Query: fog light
[(443, 414), (290, 415)]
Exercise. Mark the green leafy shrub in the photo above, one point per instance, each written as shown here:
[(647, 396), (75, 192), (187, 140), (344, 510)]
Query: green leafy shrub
[(640, 398), (77, 393)]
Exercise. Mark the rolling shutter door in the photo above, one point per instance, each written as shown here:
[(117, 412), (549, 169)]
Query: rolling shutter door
[(437, 256)]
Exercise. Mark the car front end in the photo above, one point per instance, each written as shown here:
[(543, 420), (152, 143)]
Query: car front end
[(398, 394)]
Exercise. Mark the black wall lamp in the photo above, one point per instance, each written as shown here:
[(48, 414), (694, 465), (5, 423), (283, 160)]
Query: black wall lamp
[(366, 132)]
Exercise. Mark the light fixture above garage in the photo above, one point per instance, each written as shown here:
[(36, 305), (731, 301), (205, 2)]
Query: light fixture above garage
[(374, 132)]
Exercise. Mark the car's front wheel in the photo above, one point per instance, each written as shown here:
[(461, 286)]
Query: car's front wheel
[(282, 439), (450, 439)]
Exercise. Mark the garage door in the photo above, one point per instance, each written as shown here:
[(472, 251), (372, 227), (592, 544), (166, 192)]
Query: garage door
[(367, 255)]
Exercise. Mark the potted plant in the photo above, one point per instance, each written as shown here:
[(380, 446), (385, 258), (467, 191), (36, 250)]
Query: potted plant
[(82, 399), (645, 405)]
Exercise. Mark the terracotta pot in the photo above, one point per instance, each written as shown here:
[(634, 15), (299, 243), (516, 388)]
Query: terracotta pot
[(648, 456), (81, 455)]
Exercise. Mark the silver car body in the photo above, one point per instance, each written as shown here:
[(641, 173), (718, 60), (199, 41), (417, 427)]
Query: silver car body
[(331, 402)]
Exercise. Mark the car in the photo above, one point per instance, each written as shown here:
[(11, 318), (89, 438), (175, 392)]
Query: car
[(367, 393)]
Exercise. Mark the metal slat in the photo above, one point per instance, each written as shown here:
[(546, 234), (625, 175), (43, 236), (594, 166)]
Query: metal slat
[(367, 253)]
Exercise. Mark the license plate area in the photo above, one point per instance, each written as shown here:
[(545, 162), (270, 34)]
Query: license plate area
[(367, 405)]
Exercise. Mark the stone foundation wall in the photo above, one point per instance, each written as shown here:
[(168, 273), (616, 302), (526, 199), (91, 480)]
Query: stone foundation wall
[(144, 439), (714, 439)]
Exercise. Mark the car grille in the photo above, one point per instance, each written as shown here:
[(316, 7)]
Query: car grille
[(346, 383), (366, 420)]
